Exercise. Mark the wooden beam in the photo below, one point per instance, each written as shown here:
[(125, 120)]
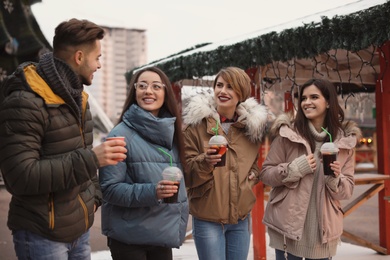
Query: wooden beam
[(258, 228), (366, 55), (382, 97), (303, 75), (353, 205), (328, 61), (364, 242), (335, 59)]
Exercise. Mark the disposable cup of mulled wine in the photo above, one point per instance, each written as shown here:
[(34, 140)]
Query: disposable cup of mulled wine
[(329, 153), (122, 138), (219, 143), (172, 173)]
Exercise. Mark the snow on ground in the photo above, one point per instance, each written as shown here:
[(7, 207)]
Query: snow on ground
[(187, 251)]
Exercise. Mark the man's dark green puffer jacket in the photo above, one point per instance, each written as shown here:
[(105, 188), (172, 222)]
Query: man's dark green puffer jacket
[(46, 159)]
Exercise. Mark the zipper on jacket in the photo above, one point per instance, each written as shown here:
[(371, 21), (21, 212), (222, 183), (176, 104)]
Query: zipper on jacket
[(51, 211), (83, 122), (85, 211)]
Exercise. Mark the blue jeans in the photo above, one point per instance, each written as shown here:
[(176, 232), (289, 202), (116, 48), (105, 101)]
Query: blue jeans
[(279, 255), (32, 246), (216, 241)]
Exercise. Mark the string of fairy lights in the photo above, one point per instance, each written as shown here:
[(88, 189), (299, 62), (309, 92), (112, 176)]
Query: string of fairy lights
[(343, 67)]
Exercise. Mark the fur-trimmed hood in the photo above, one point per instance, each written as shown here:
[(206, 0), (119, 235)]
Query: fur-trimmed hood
[(350, 136), (251, 114)]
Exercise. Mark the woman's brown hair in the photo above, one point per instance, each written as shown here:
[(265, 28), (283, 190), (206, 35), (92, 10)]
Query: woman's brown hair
[(334, 114), (238, 79)]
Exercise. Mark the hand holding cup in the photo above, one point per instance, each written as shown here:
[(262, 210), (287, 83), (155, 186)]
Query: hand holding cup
[(312, 161), (111, 151), (329, 153), (168, 188), (336, 168), (217, 151), (119, 156)]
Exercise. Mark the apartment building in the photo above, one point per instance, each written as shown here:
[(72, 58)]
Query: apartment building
[(122, 50)]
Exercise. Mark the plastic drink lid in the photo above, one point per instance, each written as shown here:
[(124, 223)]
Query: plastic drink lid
[(329, 148), (217, 139), (172, 173)]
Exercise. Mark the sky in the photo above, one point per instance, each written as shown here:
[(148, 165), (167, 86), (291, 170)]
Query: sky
[(175, 25)]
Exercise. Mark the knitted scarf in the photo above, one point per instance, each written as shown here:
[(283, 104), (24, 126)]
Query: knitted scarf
[(62, 80)]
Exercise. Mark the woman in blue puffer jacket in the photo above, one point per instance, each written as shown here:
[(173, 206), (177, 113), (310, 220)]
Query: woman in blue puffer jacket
[(136, 221)]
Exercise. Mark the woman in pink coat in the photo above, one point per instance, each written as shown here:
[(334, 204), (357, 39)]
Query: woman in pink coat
[(303, 215)]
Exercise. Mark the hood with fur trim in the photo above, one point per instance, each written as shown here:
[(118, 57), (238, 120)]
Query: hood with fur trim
[(350, 128), (250, 113)]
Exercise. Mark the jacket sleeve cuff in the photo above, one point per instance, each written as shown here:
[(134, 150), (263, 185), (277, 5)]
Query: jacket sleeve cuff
[(95, 159), (303, 165), (98, 202), (297, 169), (204, 165), (332, 183)]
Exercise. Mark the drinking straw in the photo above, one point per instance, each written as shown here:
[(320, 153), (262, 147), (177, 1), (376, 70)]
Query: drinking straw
[(330, 136), (170, 156), (215, 129)]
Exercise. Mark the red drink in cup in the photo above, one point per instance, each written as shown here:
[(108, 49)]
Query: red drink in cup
[(219, 143)]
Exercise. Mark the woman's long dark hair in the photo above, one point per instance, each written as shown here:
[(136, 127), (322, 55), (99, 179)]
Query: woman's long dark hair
[(170, 105), (334, 114)]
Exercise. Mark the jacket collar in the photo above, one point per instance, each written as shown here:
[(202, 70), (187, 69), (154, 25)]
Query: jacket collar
[(251, 115), (346, 139), (157, 130), (41, 88)]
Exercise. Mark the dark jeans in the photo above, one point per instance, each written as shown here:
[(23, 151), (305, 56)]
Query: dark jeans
[(280, 256), (122, 251), (32, 246)]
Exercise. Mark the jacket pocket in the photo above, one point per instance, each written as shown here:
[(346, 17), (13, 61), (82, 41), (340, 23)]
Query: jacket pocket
[(85, 210), (51, 211), (336, 205), (200, 191), (277, 194)]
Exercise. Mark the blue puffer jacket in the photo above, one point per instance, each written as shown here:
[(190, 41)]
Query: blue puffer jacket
[(131, 212)]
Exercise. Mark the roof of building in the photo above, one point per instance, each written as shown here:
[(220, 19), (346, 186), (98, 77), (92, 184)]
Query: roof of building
[(353, 27)]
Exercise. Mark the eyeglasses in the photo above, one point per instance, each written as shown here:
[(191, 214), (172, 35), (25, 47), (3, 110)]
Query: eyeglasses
[(156, 87)]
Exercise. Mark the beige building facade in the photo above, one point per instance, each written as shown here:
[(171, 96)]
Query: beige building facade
[(122, 50)]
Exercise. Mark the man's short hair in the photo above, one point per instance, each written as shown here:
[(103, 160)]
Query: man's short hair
[(74, 33)]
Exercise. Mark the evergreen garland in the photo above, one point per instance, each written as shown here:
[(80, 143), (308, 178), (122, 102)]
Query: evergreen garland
[(351, 32)]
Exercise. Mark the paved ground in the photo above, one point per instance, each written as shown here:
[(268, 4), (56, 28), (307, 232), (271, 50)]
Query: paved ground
[(362, 222)]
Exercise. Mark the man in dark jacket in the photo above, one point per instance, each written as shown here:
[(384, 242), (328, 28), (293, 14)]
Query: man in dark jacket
[(46, 154)]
